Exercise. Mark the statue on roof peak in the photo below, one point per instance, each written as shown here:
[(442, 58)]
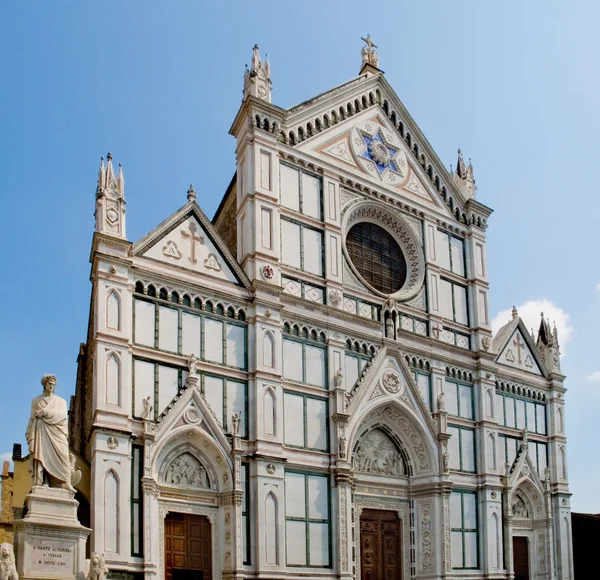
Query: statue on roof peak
[(369, 54)]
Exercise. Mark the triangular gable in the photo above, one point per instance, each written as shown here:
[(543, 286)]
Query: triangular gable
[(337, 110), (188, 240), (368, 145), (387, 376), (518, 351), (189, 407)]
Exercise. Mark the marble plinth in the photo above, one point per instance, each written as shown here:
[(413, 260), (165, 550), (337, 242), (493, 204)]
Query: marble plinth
[(49, 540)]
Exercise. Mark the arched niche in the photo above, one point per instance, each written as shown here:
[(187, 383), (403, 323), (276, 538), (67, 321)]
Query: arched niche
[(378, 451), (113, 310), (391, 416)]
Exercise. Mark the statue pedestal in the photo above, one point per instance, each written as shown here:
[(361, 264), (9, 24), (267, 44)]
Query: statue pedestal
[(49, 540)]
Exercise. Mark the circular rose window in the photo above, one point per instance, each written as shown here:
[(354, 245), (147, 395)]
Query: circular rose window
[(382, 250), (376, 256)]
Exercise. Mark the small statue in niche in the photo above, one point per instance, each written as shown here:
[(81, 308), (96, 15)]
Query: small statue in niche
[(446, 462), (342, 446), (338, 379), (147, 407), (389, 327), (236, 419), (441, 401)]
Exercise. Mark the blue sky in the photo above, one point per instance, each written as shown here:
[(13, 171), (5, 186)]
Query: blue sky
[(513, 84)]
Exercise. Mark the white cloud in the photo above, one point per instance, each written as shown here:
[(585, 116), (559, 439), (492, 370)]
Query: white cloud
[(594, 377), (597, 288), (530, 314)]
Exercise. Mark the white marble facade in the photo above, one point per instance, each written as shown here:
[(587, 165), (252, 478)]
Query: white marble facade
[(349, 398)]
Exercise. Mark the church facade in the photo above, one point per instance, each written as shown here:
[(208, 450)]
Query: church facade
[(307, 386)]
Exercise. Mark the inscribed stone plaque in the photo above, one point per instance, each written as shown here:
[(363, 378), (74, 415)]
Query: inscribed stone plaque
[(51, 556)]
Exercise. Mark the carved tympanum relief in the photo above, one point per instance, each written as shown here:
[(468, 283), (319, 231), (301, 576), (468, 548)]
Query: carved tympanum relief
[(377, 454), (519, 508), (186, 470)]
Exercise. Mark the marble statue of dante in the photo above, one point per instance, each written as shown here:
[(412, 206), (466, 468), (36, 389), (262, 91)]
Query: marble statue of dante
[(47, 437)]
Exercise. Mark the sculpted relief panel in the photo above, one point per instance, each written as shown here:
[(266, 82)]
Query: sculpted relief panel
[(186, 470), (377, 454)]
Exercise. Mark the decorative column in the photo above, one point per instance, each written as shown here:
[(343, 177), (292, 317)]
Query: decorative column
[(153, 544), (232, 512), (152, 541), (344, 481)]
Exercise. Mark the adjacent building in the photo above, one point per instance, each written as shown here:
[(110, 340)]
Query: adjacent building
[(307, 385)]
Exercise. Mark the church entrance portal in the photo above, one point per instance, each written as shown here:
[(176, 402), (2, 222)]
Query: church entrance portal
[(380, 545), (521, 558), (187, 547)]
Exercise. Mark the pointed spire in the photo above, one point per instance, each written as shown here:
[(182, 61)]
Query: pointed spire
[(191, 193), (102, 175), (110, 173), (464, 178), (256, 62), (257, 80), (110, 200), (514, 312), (555, 334), (121, 182), (461, 168)]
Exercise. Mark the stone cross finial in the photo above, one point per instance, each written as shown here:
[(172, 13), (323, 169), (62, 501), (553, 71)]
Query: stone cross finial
[(369, 54), (191, 193), (515, 313)]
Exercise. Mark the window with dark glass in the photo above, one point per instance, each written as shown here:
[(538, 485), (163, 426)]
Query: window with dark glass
[(377, 257)]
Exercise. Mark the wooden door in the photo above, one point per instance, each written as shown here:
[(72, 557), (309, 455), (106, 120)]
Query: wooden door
[(380, 545), (521, 558), (187, 547)]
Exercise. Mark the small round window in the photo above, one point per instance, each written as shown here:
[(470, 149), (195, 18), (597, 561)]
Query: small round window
[(377, 257)]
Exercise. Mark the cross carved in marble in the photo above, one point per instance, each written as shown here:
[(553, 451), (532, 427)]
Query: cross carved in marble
[(193, 236), (519, 344)]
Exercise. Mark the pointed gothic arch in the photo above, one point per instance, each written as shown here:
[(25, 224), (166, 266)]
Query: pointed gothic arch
[(270, 411), (113, 310), (495, 541), (491, 451), (112, 387), (271, 529), (489, 403), (268, 349), (111, 512)]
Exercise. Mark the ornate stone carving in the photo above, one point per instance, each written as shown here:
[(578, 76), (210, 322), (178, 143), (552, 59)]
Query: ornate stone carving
[(391, 381), (98, 569), (377, 454), (426, 553), (186, 470), (270, 468), (519, 509), (192, 416), (47, 436), (335, 297), (8, 569), (267, 272), (112, 443), (211, 263)]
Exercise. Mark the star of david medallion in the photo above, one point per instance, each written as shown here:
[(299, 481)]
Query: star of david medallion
[(379, 152)]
